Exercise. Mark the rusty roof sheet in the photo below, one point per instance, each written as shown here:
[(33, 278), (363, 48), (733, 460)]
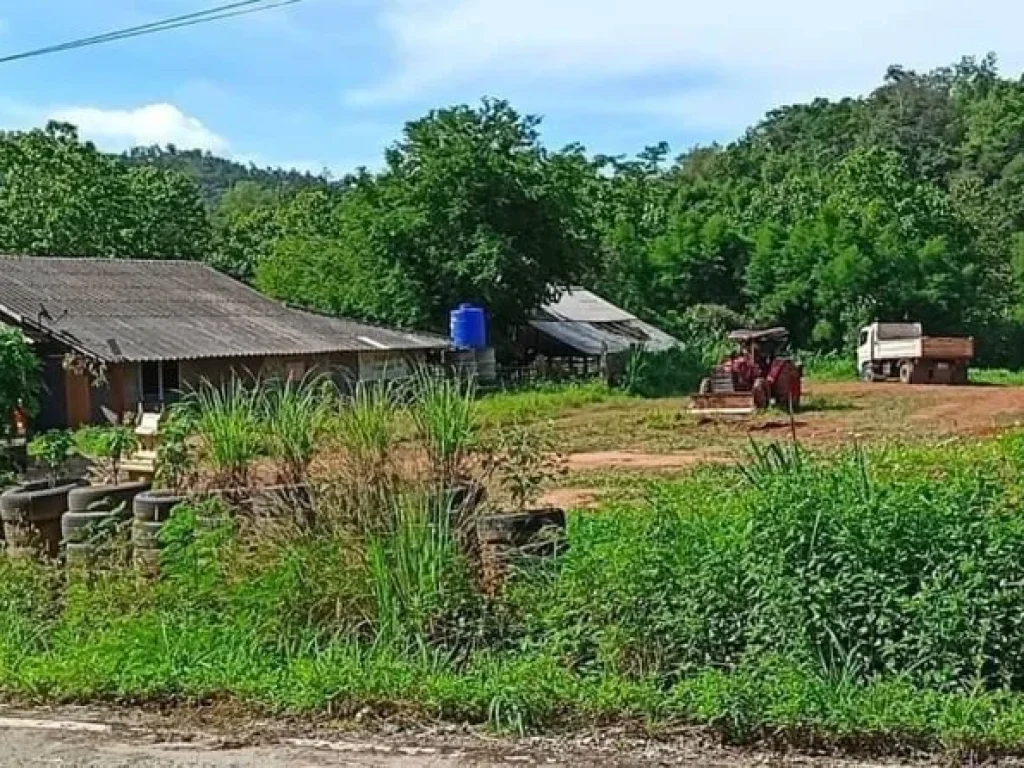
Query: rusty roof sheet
[(136, 310)]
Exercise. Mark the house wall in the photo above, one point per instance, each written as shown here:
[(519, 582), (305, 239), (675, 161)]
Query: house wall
[(70, 402)]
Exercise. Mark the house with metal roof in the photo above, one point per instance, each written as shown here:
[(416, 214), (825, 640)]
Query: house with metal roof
[(581, 323), (120, 333)]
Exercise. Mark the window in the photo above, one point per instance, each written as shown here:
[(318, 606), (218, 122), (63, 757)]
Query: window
[(171, 379), (151, 382), (159, 381), (863, 338)]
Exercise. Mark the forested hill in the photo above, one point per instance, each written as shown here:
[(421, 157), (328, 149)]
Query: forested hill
[(904, 204), (216, 175)]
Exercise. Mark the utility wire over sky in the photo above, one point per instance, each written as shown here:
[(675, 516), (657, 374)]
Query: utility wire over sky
[(230, 10)]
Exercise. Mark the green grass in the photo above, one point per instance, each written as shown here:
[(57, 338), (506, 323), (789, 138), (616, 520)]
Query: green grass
[(997, 377), (870, 599), (545, 401), (829, 366)]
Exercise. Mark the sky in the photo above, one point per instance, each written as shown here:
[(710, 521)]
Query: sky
[(328, 84)]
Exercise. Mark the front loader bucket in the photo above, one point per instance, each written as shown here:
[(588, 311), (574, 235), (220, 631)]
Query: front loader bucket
[(723, 403)]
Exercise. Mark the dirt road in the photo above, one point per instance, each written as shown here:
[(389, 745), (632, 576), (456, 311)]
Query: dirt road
[(128, 739)]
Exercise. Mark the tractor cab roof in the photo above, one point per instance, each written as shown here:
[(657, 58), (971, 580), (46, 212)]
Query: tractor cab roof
[(747, 335)]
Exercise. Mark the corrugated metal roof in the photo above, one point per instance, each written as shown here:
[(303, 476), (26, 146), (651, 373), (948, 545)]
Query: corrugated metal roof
[(578, 305), (584, 321), (121, 309)]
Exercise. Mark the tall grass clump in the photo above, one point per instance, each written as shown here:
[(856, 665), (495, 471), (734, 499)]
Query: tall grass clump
[(227, 420), (444, 413), (295, 416)]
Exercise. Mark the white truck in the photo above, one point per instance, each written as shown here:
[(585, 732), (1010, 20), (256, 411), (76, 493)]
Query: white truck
[(887, 351)]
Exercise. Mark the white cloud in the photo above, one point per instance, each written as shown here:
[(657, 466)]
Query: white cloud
[(149, 124), (740, 54)]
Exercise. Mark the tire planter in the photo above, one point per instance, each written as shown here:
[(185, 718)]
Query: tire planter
[(31, 516), (510, 538), (155, 506), (146, 545), (104, 497)]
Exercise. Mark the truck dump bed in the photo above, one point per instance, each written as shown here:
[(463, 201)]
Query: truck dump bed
[(925, 348)]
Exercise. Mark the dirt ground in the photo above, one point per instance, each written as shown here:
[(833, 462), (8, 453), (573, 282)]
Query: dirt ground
[(664, 437), (79, 736)]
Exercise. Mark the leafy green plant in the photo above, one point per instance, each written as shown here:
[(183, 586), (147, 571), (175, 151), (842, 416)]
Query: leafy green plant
[(176, 455), (523, 458), (107, 447), (53, 450)]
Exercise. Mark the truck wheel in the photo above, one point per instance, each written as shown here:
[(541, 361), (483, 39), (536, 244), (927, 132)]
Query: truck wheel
[(907, 372), (867, 372)]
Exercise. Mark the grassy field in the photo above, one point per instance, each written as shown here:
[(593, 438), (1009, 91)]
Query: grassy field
[(871, 599)]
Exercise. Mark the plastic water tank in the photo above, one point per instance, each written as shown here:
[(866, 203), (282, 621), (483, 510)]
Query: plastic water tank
[(469, 327)]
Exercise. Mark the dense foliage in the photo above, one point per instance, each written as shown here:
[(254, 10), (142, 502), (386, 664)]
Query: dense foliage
[(61, 197), (903, 204)]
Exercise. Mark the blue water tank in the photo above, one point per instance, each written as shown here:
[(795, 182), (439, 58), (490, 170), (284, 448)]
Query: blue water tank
[(469, 327)]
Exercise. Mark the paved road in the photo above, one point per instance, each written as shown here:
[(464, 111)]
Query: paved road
[(111, 741)]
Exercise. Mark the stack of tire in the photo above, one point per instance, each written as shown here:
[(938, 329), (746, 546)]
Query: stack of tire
[(507, 539), (91, 511), (150, 511), (31, 516)]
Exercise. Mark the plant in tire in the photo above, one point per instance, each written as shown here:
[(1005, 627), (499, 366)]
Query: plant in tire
[(107, 447), (524, 458), (53, 450), (19, 378), (176, 456)]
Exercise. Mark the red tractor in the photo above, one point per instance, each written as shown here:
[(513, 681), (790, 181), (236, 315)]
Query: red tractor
[(756, 376)]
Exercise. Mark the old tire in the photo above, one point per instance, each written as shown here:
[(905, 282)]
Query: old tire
[(31, 518), (155, 506), (76, 527), (108, 497), (907, 372), (79, 556), (146, 535)]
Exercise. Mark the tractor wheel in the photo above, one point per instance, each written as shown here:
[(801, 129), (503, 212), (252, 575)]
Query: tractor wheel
[(760, 394), (705, 387)]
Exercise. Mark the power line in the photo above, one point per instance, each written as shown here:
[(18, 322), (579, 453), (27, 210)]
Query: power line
[(230, 10)]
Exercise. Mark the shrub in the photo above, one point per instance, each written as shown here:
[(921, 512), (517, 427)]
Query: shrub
[(20, 380)]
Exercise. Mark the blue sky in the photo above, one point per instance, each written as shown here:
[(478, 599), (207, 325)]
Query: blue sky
[(329, 83)]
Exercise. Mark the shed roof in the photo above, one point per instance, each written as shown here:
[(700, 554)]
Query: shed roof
[(138, 310), (584, 321)]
